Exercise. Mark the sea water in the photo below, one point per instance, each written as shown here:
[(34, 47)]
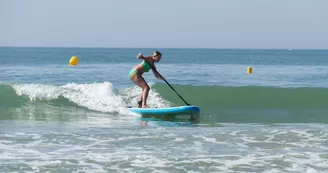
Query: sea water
[(59, 118)]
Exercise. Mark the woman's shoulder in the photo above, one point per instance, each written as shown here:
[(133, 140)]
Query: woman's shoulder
[(149, 59)]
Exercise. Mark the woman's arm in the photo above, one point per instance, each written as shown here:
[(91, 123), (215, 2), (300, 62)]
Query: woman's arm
[(156, 74), (140, 56)]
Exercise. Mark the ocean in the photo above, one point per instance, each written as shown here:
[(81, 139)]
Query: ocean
[(60, 118)]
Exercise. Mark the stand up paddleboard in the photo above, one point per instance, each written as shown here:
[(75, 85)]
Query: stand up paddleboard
[(166, 111)]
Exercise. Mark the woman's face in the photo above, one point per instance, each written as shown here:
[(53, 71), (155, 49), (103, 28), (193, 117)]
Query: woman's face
[(157, 58)]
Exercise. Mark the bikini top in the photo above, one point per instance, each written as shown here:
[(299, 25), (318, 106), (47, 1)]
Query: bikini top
[(145, 65)]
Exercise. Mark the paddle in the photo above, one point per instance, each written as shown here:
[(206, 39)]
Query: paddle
[(165, 81)]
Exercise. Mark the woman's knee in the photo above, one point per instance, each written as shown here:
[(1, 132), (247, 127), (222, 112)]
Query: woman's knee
[(146, 88)]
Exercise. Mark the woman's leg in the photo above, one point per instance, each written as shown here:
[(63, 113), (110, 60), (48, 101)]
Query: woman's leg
[(140, 81), (140, 100), (145, 96)]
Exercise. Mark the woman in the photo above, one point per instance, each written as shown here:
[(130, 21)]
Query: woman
[(136, 75)]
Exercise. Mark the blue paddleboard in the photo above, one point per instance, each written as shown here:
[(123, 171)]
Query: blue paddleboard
[(168, 110)]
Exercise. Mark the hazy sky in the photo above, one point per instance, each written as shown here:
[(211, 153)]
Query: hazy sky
[(165, 23)]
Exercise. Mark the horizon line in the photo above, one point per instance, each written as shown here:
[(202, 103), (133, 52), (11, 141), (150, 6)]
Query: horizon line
[(104, 47)]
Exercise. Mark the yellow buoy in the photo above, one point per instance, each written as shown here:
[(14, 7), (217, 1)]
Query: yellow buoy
[(74, 60), (249, 70)]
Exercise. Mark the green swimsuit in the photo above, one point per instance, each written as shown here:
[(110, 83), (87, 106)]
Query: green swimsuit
[(145, 65)]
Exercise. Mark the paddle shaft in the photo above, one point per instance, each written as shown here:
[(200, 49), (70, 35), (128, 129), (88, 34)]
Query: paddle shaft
[(166, 81)]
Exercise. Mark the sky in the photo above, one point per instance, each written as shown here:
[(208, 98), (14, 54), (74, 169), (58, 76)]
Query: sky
[(268, 24)]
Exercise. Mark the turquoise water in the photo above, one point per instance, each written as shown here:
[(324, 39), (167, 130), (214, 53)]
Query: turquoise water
[(58, 118)]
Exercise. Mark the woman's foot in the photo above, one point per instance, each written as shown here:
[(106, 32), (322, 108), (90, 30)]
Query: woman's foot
[(145, 106), (139, 104)]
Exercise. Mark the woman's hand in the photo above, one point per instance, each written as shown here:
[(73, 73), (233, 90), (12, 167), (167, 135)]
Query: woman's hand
[(139, 56), (161, 78)]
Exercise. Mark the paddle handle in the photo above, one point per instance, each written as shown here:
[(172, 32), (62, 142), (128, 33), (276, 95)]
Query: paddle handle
[(166, 81)]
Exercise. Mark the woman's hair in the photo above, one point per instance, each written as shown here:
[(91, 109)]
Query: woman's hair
[(157, 53)]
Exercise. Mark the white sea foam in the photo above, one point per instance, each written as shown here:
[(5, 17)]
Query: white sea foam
[(157, 150), (101, 97)]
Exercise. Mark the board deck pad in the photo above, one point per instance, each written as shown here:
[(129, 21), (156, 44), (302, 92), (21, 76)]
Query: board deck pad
[(167, 110)]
